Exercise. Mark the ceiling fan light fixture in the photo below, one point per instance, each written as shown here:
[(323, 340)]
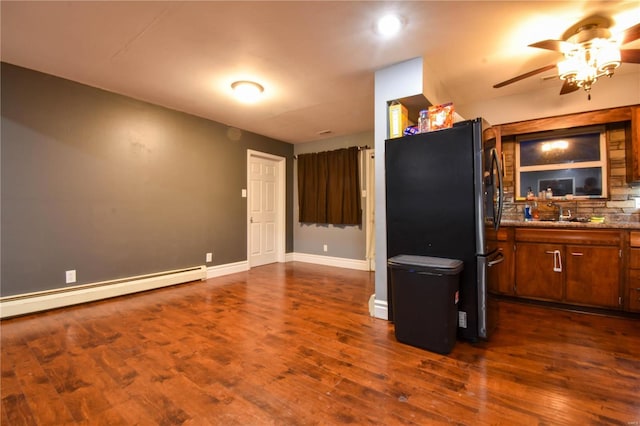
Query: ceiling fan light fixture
[(590, 52), (568, 68), (247, 91), (558, 145), (608, 57), (586, 62)]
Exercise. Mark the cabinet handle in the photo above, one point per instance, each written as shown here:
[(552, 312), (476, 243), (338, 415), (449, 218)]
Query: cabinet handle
[(557, 261), (576, 254)]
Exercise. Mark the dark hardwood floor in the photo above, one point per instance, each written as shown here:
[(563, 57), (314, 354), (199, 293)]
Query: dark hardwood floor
[(290, 344)]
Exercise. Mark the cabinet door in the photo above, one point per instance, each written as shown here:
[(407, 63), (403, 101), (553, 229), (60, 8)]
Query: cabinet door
[(633, 147), (501, 275), (634, 290), (539, 272), (593, 276)]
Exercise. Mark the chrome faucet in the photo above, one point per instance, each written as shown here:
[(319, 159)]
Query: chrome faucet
[(561, 216)]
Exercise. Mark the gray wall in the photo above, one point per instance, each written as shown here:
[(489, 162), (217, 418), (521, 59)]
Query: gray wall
[(114, 187), (394, 82), (342, 241)]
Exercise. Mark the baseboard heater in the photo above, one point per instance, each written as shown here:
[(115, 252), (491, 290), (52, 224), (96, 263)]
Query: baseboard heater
[(26, 303)]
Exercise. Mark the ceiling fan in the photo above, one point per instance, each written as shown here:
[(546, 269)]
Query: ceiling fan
[(589, 52)]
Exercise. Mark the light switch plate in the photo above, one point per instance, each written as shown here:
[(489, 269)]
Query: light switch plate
[(70, 276)]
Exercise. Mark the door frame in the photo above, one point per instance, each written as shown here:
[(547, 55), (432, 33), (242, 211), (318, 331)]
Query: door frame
[(370, 206), (280, 205)]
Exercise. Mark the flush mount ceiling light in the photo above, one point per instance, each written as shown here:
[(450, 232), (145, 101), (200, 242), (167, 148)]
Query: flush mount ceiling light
[(247, 91), (389, 25)]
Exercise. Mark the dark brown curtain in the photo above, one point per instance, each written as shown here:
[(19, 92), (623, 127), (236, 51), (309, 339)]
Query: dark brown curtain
[(329, 187)]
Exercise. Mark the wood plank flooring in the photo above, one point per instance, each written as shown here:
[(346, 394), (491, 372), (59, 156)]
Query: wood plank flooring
[(293, 344)]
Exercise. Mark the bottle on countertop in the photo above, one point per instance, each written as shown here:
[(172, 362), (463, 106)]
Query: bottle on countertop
[(530, 195), (527, 212), (535, 212), (549, 194)]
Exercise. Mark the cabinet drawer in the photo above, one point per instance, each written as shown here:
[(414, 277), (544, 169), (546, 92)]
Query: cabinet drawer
[(634, 258), (567, 236), (499, 235), (634, 239)]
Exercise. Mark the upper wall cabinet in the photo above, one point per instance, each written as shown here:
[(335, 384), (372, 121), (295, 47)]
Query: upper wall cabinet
[(633, 147)]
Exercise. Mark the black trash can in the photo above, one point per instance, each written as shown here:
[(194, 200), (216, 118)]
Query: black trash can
[(425, 301)]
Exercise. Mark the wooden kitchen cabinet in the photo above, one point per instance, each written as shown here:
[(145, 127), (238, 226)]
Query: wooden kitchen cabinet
[(593, 275), (633, 291), (633, 279), (500, 276), (577, 267), (632, 147), (539, 271)]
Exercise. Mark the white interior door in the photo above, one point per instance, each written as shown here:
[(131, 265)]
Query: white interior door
[(265, 209)]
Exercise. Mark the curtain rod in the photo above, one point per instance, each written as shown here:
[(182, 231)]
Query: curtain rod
[(360, 148)]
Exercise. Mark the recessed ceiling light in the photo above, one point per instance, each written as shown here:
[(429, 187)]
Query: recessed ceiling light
[(247, 91), (389, 25)]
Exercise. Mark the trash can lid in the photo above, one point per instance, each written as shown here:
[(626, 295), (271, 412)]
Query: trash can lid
[(428, 263)]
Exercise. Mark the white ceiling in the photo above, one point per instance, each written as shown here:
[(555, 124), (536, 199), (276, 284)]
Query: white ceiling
[(316, 59)]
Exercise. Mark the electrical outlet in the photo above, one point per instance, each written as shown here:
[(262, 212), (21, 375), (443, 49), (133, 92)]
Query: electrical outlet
[(70, 276), (637, 202), (462, 319), (209, 257), (325, 248)]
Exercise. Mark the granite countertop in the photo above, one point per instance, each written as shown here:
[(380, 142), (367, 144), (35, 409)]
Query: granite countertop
[(569, 225)]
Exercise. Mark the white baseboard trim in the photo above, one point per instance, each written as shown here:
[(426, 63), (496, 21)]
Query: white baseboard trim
[(27, 303), (339, 262), (229, 268), (381, 309)]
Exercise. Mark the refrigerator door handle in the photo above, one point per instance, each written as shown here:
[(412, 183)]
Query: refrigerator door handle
[(497, 167), (499, 258)]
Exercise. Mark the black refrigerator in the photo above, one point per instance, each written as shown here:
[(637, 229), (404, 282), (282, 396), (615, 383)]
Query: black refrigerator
[(443, 189)]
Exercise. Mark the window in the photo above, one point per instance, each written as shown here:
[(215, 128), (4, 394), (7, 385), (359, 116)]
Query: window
[(572, 163), (329, 187)]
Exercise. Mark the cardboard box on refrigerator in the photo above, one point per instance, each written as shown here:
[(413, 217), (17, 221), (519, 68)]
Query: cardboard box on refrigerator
[(398, 119)]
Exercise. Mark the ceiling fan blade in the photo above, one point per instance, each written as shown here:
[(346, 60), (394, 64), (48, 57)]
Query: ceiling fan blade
[(555, 45), (630, 34), (525, 75), (568, 88), (630, 56)]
